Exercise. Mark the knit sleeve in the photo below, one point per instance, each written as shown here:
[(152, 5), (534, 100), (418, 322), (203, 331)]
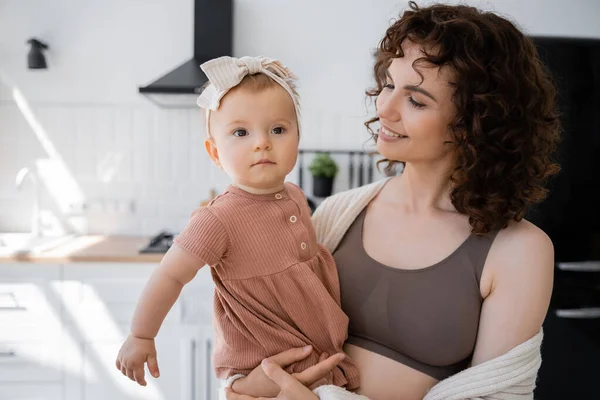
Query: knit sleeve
[(508, 376), (322, 219), (205, 236)]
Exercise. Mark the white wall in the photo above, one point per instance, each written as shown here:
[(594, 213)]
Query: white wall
[(101, 51)]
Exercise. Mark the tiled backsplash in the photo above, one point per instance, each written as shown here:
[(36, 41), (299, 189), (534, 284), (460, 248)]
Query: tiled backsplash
[(139, 169)]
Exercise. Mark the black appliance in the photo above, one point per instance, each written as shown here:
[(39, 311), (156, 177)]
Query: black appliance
[(571, 217), (213, 37), (159, 243)]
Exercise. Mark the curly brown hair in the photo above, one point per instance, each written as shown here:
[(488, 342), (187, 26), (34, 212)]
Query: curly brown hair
[(506, 128)]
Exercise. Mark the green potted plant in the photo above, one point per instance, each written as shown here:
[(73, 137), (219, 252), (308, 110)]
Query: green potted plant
[(323, 170)]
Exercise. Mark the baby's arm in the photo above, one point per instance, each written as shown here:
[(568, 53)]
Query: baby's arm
[(176, 269), (202, 242)]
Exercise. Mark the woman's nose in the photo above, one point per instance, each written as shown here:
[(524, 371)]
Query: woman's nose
[(388, 107)]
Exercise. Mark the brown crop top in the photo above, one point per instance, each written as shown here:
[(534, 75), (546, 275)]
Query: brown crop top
[(427, 318)]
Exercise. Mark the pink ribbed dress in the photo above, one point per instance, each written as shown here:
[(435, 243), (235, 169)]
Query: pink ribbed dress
[(275, 287)]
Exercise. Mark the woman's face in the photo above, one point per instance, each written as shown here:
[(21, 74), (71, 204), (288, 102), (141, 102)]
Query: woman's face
[(414, 116)]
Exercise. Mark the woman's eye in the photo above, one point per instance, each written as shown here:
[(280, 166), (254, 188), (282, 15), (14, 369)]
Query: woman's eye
[(389, 86), (415, 104), (278, 131), (240, 133)]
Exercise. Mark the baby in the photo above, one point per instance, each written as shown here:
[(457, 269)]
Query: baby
[(275, 287)]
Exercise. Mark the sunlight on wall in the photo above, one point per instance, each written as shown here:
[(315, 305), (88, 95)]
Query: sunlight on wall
[(52, 171)]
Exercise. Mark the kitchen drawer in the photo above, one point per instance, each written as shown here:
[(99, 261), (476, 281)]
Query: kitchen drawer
[(19, 326), (110, 282), (108, 291), (114, 289), (29, 391), (85, 301), (100, 380), (29, 309), (30, 362), (24, 270), (196, 299)]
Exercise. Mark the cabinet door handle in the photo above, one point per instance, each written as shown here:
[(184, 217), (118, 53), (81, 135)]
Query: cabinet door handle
[(208, 393), (15, 308), (193, 370), (580, 266), (8, 354), (579, 313), (10, 302)]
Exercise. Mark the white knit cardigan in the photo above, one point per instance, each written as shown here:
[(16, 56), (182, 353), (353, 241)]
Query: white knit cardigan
[(508, 377)]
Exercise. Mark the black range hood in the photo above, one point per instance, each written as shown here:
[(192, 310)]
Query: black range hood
[(213, 37)]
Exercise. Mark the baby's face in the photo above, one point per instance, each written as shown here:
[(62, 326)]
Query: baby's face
[(255, 135)]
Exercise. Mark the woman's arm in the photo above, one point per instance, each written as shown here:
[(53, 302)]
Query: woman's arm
[(521, 270)]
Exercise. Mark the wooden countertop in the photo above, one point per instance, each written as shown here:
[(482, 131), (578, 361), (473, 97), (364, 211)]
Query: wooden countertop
[(90, 248)]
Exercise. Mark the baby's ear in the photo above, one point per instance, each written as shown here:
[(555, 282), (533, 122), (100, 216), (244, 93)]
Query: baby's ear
[(213, 152)]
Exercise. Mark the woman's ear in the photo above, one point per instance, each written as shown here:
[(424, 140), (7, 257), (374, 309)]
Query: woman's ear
[(213, 152)]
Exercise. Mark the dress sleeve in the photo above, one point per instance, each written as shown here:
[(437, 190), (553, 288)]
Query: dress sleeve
[(204, 236)]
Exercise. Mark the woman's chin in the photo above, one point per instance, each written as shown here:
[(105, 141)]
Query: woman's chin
[(387, 151)]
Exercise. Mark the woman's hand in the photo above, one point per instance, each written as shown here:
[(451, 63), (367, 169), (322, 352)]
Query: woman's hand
[(290, 387), (258, 383), (134, 353)]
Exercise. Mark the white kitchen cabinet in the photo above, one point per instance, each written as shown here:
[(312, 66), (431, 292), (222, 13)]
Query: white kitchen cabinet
[(114, 289), (30, 362), (61, 327), (198, 378), (99, 300), (106, 290), (183, 358), (30, 332), (100, 380), (30, 307)]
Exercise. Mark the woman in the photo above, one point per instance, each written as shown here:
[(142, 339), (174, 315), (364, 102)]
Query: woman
[(439, 272)]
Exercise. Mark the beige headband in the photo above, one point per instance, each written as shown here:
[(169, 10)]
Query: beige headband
[(225, 73)]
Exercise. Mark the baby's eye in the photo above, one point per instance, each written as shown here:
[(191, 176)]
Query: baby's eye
[(240, 133), (278, 131)]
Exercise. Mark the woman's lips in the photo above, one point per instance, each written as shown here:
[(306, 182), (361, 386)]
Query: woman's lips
[(386, 138)]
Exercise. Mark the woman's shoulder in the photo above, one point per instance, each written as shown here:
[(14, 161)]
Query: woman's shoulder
[(523, 237), (522, 251)]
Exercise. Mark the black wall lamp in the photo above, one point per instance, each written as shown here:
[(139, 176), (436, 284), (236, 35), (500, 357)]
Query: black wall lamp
[(36, 58)]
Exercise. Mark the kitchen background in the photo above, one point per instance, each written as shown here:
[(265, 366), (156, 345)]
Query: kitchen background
[(134, 168), (113, 163)]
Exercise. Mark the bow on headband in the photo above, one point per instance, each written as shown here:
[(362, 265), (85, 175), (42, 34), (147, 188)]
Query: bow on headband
[(225, 73)]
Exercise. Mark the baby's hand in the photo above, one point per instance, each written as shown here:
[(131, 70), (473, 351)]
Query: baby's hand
[(134, 353)]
